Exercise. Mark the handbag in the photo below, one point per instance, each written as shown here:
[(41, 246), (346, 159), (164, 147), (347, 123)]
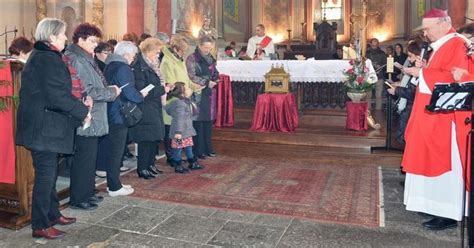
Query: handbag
[(131, 113)]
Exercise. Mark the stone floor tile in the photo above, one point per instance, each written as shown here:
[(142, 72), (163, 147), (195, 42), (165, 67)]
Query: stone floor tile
[(124, 200), (311, 234), (235, 234), (273, 220), (239, 216), (158, 205), (189, 228), (143, 240), (397, 212), (193, 210), (105, 209), (135, 219)]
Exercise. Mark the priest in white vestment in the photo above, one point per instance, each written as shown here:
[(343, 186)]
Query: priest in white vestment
[(260, 45)]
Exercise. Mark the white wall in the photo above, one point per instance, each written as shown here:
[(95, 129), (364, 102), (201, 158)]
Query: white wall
[(470, 9)]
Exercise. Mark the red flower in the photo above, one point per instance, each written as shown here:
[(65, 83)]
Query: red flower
[(351, 62), (350, 70), (360, 79)]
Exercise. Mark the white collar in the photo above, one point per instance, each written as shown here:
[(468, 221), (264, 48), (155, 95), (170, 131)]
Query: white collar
[(437, 44)]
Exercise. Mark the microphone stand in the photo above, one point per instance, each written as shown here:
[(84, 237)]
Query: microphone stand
[(388, 137)]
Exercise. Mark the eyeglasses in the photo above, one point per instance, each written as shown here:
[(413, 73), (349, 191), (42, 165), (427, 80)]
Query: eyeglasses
[(92, 39)]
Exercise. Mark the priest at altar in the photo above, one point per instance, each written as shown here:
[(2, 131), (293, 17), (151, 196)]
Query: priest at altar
[(260, 45)]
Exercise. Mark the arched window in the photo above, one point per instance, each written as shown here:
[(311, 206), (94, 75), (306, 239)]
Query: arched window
[(332, 10)]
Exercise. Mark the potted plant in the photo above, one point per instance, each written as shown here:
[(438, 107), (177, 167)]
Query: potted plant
[(359, 79)]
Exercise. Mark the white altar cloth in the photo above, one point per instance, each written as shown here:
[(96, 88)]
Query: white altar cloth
[(309, 71)]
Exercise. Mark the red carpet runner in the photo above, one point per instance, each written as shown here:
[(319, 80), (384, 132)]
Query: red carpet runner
[(299, 188)]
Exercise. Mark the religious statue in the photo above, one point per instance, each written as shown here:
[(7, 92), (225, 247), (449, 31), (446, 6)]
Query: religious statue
[(207, 30)]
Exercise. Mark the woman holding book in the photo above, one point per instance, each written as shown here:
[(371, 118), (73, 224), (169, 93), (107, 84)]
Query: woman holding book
[(151, 129)]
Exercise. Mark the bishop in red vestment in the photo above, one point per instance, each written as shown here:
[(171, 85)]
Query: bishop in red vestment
[(432, 159)]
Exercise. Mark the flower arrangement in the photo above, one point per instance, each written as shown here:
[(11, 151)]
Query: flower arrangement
[(359, 77)]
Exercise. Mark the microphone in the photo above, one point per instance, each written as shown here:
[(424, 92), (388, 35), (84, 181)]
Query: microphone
[(424, 49)]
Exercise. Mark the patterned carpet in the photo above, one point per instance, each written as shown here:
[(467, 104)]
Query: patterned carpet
[(300, 188)]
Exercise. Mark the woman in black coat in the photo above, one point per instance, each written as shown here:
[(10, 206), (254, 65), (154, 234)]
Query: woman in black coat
[(50, 109), (151, 129), (202, 70)]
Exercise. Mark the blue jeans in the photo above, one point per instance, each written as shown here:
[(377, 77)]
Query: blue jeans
[(177, 153)]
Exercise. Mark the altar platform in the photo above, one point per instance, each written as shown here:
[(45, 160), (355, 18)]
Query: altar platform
[(321, 135)]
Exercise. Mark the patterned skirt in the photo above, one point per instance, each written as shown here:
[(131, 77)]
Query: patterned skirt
[(182, 143)]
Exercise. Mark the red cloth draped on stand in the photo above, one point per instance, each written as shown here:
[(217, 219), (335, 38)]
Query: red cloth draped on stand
[(7, 144), (275, 112), (225, 103), (357, 116)]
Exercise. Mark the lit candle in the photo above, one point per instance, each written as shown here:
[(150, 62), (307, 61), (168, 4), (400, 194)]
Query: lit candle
[(390, 61)]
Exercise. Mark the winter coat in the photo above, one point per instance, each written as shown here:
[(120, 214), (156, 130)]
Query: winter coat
[(151, 127), (201, 71), (95, 88), (118, 72), (48, 113), (181, 112), (173, 70)]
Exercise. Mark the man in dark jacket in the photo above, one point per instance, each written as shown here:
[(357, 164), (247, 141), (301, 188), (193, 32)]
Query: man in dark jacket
[(379, 61)]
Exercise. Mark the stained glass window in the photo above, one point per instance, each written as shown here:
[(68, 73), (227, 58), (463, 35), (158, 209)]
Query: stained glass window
[(332, 9)]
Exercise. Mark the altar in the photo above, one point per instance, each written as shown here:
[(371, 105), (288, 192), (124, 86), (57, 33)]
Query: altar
[(315, 83)]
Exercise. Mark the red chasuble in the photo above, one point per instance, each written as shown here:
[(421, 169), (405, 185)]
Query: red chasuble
[(428, 135), (7, 144)]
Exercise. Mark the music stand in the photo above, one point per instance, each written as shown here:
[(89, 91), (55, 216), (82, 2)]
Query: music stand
[(458, 97)]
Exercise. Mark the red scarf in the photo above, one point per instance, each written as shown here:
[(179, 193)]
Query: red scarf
[(77, 88)]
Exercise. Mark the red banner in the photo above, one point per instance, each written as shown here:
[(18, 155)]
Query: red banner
[(7, 144)]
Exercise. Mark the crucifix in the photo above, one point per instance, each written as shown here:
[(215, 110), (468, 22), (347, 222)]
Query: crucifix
[(363, 31)]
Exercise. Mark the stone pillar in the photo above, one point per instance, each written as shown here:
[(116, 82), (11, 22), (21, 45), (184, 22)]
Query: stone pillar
[(457, 11), (150, 16), (135, 21), (40, 10), (164, 16), (98, 14)]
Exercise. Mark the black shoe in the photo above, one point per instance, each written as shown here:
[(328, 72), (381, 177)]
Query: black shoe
[(425, 215), (211, 154), (180, 169), (84, 206), (440, 223), (193, 164), (202, 156), (145, 174), (95, 199), (154, 170)]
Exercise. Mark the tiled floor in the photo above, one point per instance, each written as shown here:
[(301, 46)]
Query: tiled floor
[(134, 222)]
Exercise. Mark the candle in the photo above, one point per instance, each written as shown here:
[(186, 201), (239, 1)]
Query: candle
[(173, 26), (390, 61)]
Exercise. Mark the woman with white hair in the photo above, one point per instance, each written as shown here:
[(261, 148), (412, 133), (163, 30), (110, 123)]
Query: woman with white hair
[(50, 109), (118, 72)]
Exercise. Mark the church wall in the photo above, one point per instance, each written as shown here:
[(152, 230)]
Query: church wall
[(115, 21), (19, 14), (470, 10), (236, 20), (150, 17)]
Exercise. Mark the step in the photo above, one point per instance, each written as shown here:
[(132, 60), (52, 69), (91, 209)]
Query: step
[(315, 137), (326, 155)]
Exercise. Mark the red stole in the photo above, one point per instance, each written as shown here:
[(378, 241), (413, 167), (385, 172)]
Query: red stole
[(266, 40)]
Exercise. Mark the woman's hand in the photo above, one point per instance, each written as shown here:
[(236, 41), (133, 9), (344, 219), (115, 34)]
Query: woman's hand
[(212, 84), (178, 136), (117, 90), (391, 91), (88, 102)]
